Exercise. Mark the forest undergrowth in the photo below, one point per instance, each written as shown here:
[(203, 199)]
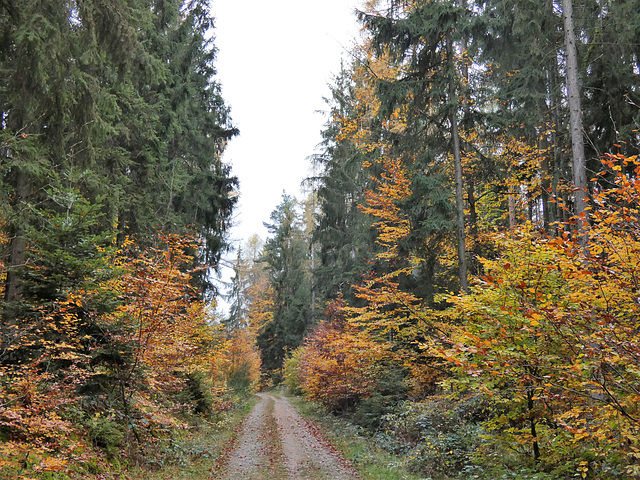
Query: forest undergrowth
[(435, 439)]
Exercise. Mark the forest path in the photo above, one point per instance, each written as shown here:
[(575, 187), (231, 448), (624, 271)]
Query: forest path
[(276, 443)]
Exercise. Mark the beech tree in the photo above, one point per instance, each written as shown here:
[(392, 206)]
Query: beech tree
[(337, 364), (546, 335)]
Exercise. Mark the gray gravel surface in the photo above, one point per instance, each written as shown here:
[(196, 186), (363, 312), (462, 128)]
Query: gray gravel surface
[(277, 443)]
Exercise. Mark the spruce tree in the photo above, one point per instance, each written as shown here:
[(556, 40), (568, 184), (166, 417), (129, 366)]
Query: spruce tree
[(522, 44), (191, 129), (119, 101), (343, 234), (422, 38), (286, 254), (64, 67), (609, 73), (114, 103)]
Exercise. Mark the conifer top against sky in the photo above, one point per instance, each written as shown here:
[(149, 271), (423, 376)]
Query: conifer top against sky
[(275, 60)]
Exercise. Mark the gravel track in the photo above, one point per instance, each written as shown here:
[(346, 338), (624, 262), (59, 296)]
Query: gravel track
[(276, 443)]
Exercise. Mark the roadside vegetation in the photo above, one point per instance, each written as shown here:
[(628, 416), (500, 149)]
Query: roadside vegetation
[(421, 440), (201, 451)]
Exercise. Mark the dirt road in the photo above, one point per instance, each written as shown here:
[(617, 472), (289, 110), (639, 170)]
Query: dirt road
[(276, 443)]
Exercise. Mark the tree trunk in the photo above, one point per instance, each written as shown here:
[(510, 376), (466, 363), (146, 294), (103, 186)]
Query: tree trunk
[(532, 420), (555, 141), (18, 243), (473, 227), (512, 211), (545, 185), (457, 160), (575, 115)]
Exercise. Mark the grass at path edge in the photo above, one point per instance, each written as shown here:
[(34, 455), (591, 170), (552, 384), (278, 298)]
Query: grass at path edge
[(202, 452), (350, 440)]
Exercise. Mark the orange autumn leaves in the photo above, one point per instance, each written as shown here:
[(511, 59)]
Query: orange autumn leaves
[(393, 225), (342, 360), (156, 340), (173, 330), (550, 331), (337, 365)]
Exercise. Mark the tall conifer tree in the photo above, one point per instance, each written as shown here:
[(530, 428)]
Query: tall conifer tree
[(64, 66), (286, 254), (345, 238), (422, 38), (117, 100)]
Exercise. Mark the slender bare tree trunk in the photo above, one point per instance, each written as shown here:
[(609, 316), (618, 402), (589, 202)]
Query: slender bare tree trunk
[(457, 160), (545, 185), (512, 211), (575, 119)]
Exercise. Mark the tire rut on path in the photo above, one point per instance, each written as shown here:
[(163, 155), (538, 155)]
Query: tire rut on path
[(256, 455), (276, 443)]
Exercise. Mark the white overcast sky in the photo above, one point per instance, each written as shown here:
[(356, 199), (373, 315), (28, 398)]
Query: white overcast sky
[(275, 60)]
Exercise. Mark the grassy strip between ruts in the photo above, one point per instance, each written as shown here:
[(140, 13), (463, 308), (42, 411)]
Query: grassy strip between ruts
[(371, 462), (274, 465)]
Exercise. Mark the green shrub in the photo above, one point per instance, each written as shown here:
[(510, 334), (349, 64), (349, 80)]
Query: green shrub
[(240, 379), (445, 435), (369, 412), (391, 389), (290, 372), (198, 393), (105, 433)]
